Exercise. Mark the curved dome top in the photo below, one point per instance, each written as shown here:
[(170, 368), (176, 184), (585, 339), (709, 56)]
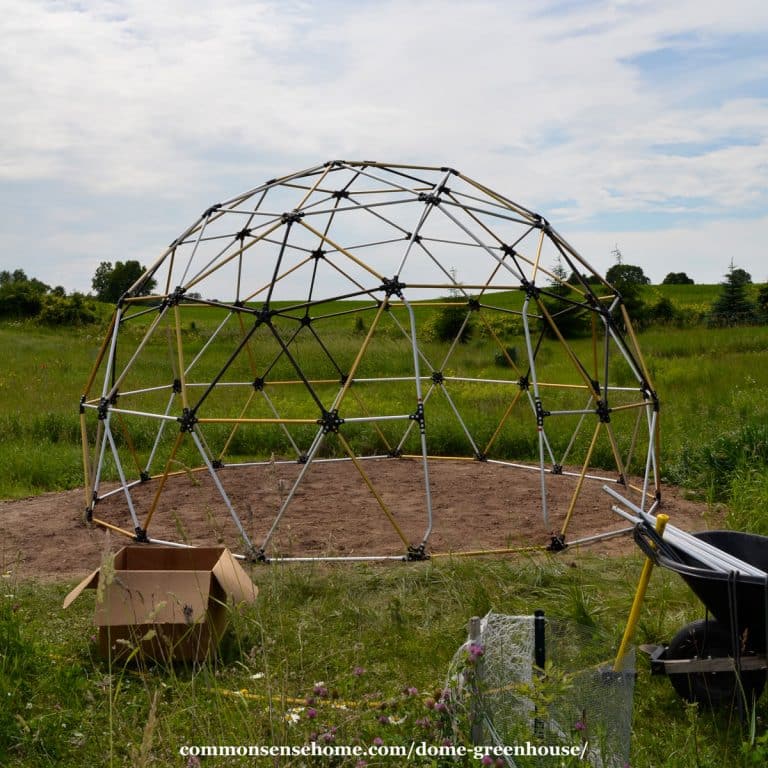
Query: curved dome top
[(353, 228)]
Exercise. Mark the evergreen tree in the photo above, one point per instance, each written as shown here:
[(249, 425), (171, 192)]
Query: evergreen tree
[(762, 301), (733, 306), (558, 299)]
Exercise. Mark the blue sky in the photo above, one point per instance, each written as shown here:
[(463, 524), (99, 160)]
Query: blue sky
[(637, 124)]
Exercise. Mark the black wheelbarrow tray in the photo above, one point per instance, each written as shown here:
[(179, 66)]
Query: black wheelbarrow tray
[(722, 656)]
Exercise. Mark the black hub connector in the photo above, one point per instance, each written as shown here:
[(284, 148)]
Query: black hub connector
[(393, 286), (141, 535), (437, 377), (557, 543), (603, 411), (264, 315), (427, 197), (330, 421), (418, 417), (291, 217), (174, 298), (253, 555), (187, 420), (416, 554), (531, 291)]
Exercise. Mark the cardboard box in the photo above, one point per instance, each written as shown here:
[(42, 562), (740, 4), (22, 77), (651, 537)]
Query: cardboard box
[(170, 602)]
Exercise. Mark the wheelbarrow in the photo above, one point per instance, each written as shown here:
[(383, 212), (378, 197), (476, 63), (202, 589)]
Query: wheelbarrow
[(721, 658)]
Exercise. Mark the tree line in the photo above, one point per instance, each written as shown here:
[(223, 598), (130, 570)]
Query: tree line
[(737, 303), (23, 297)]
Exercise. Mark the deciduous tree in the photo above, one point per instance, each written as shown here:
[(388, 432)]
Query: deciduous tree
[(111, 282), (677, 278)]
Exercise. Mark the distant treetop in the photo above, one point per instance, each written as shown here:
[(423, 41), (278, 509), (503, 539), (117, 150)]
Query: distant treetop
[(677, 278), (622, 275), (23, 297), (111, 282)]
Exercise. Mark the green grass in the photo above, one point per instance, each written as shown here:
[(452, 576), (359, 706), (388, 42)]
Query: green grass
[(682, 295), (63, 706), (709, 381), (326, 625)]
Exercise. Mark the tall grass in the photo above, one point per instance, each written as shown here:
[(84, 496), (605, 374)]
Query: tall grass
[(712, 384), (309, 659), (365, 634)]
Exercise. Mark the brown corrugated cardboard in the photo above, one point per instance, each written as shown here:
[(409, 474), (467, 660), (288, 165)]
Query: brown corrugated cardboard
[(169, 602)]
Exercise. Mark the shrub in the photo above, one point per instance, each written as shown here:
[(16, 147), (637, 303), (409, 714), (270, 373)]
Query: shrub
[(66, 310), (664, 312), (448, 323)]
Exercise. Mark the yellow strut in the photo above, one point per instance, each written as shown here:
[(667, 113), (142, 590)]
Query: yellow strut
[(110, 527), (642, 586)]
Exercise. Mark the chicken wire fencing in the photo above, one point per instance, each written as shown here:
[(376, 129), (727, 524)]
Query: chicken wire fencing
[(530, 686)]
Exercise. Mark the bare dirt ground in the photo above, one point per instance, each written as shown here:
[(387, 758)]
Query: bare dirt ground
[(476, 506)]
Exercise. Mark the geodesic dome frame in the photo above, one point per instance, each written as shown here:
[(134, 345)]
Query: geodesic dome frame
[(240, 359)]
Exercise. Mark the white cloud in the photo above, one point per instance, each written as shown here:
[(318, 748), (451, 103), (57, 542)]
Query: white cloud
[(175, 102)]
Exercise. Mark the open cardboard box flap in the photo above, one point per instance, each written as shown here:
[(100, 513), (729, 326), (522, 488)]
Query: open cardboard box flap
[(167, 586), (134, 559)]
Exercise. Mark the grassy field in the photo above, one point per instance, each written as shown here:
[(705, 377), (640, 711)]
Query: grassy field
[(712, 384), (358, 653), (367, 634)]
